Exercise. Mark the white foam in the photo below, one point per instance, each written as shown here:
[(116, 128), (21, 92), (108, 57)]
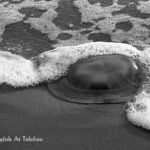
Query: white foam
[(138, 112), (144, 6), (58, 62), (51, 65), (16, 70)]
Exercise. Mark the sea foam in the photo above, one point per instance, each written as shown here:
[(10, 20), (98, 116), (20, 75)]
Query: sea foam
[(53, 64)]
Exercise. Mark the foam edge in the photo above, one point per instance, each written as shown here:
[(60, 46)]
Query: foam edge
[(19, 72)]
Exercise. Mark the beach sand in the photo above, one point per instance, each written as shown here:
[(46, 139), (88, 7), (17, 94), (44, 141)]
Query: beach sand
[(62, 125)]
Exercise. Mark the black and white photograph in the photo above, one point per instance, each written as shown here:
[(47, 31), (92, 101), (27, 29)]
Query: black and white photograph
[(74, 74)]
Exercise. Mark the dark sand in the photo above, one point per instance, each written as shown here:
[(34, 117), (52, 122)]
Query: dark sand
[(65, 126)]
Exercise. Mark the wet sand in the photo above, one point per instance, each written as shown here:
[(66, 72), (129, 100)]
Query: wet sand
[(62, 125)]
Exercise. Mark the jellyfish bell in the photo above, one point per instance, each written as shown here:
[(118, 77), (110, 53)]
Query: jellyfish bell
[(102, 73), (100, 79)]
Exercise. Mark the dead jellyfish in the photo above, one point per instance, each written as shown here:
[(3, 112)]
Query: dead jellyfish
[(100, 79)]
